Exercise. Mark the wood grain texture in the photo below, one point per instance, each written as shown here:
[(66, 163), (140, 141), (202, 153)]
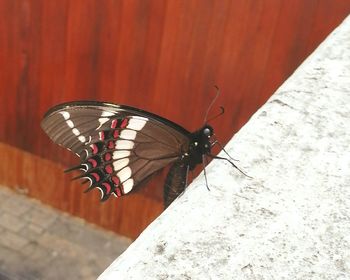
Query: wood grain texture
[(161, 56)]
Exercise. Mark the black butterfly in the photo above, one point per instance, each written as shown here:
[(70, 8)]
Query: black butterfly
[(120, 146)]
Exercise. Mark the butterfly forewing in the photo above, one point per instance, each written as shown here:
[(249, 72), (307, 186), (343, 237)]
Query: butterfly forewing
[(119, 146)]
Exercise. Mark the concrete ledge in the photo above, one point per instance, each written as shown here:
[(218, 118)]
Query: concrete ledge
[(292, 221)]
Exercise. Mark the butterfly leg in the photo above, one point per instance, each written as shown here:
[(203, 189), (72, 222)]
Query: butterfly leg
[(187, 171), (204, 162), (235, 166), (216, 142)]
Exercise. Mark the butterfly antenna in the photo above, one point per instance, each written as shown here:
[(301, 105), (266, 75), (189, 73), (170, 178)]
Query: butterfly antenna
[(204, 161), (212, 103), (222, 111)]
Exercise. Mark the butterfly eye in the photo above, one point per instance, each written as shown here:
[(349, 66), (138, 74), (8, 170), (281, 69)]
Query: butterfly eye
[(206, 131)]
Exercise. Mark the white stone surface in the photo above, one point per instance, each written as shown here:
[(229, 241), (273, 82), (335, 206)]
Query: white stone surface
[(292, 220)]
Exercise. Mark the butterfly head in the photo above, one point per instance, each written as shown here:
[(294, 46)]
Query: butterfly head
[(200, 145), (207, 132)]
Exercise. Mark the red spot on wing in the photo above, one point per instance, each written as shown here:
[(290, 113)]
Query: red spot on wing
[(115, 134), (110, 145), (107, 186), (114, 124), (124, 123), (93, 162), (109, 169), (115, 180), (94, 148), (118, 192), (108, 157), (96, 176)]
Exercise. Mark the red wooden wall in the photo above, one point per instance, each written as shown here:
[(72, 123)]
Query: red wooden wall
[(162, 56)]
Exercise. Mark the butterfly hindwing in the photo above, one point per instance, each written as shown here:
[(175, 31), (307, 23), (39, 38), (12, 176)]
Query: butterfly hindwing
[(119, 146)]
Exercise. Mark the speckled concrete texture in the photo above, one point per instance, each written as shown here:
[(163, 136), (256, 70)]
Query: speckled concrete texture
[(39, 242), (292, 220)]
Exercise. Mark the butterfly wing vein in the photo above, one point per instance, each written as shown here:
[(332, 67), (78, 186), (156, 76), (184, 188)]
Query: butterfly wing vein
[(119, 146)]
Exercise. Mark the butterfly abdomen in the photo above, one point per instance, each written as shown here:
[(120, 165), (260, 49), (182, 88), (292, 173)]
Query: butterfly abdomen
[(175, 182)]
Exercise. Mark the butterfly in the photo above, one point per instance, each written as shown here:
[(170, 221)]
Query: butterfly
[(120, 146)]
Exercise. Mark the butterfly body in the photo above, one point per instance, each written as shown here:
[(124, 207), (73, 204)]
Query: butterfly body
[(199, 145), (120, 146), (176, 180)]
